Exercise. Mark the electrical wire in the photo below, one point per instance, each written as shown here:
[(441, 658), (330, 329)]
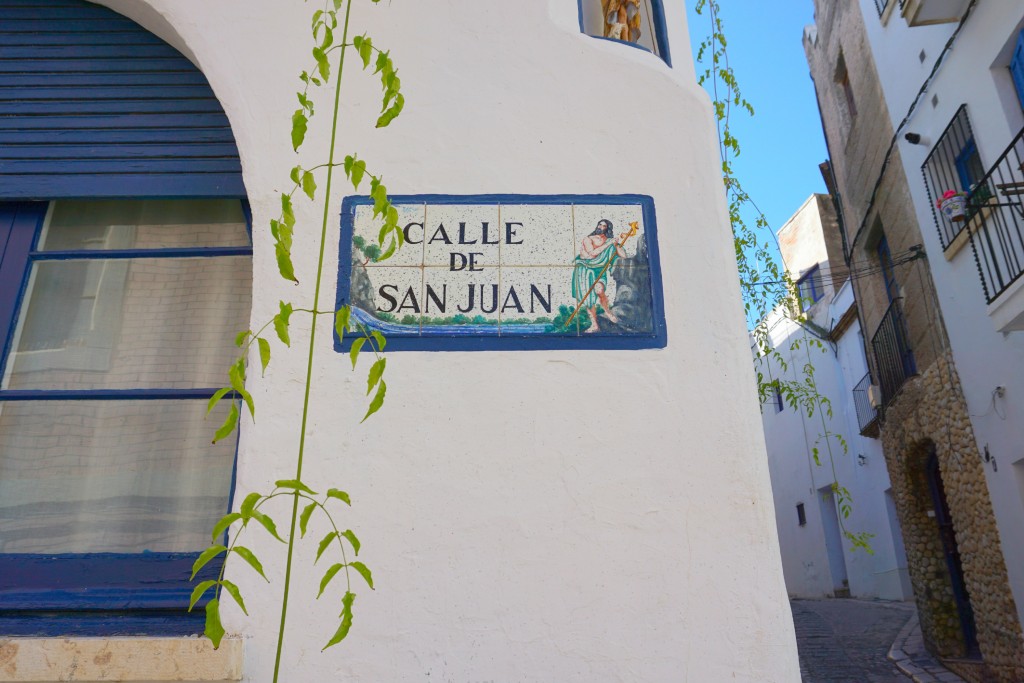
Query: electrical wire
[(852, 273)]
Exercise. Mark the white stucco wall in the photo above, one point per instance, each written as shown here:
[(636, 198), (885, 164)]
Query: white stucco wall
[(974, 72), (529, 516)]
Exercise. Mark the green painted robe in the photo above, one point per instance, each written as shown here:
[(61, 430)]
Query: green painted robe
[(585, 273)]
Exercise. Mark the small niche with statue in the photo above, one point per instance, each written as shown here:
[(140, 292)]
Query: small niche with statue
[(640, 23)]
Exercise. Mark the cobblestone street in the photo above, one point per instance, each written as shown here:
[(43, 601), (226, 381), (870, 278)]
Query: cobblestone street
[(846, 641)]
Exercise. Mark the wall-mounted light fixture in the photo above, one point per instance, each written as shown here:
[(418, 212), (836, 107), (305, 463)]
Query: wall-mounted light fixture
[(914, 138), (862, 459), (991, 459)]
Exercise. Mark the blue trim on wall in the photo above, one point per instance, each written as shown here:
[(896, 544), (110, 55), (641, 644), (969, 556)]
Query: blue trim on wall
[(655, 340), (660, 30), (108, 394)]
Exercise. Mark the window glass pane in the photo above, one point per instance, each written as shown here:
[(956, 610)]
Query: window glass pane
[(156, 323), (144, 224), (630, 21), (111, 476)]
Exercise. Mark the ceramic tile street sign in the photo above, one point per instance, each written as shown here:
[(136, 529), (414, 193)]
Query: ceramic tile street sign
[(506, 272)]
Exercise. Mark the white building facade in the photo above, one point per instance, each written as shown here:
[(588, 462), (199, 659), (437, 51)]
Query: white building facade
[(804, 456), (538, 499), (965, 134)]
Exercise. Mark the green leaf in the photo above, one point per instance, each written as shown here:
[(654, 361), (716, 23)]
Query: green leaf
[(299, 125), (340, 495), (341, 318), (316, 16), (356, 545), (264, 353), (388, 252), (296, 174), (281, 321), (249, 504), (353, 353), (205, 557), (328, 38), (247, 397), (324, 545), (294, 484), (284, 262), (309, 184), (382, 61), (366, 51), (222, 525), (392, 113), (217, 396), (346, 620), (307, 512), (229, 424), (364, 571), (214, 631), (233, 591), (248, 556), (375, 374), (198, 591), (379, 338), (377, 402), (335, 568), (236, 373), (241, 337), (358, 171), (287, 211), (322, 63), (267, 523)]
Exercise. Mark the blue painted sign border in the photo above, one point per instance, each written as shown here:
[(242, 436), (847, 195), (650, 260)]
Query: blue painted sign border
[(656, 339)]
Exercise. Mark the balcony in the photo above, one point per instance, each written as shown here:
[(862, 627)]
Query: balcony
[(894, 359), (996, 227), (925, 12), (867, 414)]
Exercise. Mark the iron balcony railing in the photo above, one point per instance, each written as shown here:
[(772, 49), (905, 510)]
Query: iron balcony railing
[(894, 359), (953, 164), (866, 413), (996, 221)]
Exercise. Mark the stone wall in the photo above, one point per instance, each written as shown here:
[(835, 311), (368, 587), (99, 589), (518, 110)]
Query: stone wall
[(930, 413)]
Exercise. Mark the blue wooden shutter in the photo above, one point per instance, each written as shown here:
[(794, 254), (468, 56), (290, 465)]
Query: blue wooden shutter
[(93, 105), (1017, 67)]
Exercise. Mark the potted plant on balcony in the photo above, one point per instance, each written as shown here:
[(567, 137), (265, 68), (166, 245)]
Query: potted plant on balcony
[(953, 205)]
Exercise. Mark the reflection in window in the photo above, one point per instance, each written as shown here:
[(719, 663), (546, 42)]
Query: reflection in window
[(637, 22), (142, 298)]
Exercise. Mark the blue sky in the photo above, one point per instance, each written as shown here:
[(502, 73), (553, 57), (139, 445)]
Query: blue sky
[(782, 144)]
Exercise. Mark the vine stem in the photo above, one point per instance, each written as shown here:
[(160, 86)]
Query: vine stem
[(312, 340)]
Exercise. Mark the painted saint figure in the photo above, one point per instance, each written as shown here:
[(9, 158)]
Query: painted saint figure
[(590, 271), (621, 19)]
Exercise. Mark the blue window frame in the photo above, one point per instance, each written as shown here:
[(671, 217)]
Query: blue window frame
[(1017, 67), (644, 25), (968, 165), (810, 287), (888, 272), (100, 521)]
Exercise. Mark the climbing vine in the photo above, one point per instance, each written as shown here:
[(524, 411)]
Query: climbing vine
[(327, 58), (758, 268)]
